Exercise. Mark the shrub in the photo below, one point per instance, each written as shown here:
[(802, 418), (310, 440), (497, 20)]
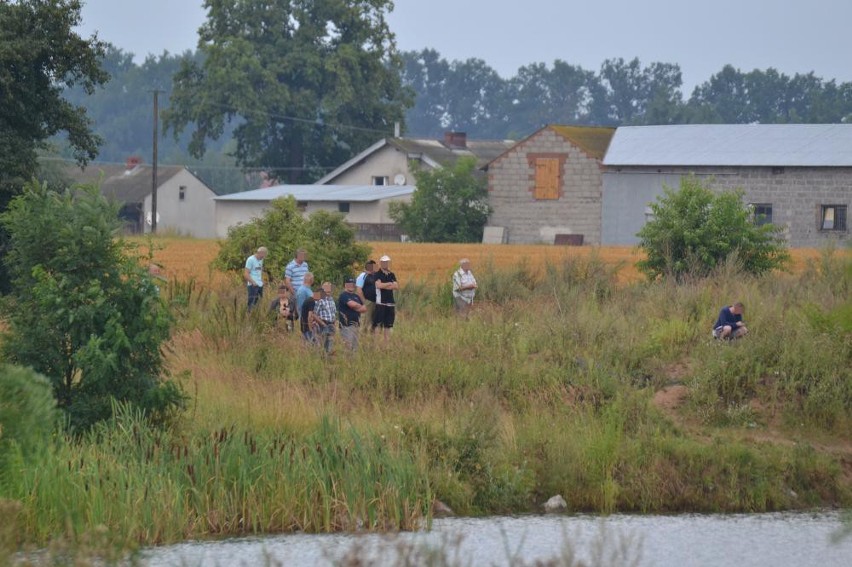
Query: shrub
[(82, 311), (27, 412), (330, 242), (694, 230)]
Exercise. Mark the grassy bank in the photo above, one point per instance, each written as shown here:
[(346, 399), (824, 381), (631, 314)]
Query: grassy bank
[(550, 387)]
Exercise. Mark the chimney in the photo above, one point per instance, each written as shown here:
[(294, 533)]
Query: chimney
[(132, 162), (455, 139)]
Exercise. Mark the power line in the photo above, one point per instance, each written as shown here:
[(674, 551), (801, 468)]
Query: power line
[(314, 121), (260, 168)]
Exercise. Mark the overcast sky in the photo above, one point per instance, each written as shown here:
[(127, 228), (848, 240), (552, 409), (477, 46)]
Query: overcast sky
[(701, 38)]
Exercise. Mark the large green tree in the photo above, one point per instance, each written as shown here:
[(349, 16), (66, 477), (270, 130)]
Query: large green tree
[(450, 205), (695, 229), (40, 55), (82, 311), (309, 82)]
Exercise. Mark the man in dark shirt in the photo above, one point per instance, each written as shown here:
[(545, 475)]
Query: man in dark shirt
[(365, 287), (310, 322), (349, 309), (729, 324), (386, 283)]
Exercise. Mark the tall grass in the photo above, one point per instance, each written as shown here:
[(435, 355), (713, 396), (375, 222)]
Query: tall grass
[(545, 389)]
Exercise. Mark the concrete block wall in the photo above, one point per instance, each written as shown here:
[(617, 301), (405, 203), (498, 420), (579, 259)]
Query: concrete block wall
[(511, 190), (796, 194)]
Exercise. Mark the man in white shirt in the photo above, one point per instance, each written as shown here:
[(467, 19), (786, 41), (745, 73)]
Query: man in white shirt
[(464, 288)]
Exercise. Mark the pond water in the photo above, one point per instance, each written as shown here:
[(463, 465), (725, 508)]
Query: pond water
[(771, 540)]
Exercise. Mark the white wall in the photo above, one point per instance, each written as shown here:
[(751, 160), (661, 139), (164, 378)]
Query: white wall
[(193, 216), (387, 161), (229, 213)]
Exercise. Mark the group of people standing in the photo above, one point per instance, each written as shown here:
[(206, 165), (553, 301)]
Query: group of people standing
[(370, 298)]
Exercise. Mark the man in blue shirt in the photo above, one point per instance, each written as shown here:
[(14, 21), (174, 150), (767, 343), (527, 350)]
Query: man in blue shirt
[(294, 273), (304, 291), (729, 324), (253, 276)]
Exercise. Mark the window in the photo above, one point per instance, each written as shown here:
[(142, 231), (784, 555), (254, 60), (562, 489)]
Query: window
[(761, 213), (546, 178), (301, 206), (833, 217), (343, 207), (182, 192), (380, 180)]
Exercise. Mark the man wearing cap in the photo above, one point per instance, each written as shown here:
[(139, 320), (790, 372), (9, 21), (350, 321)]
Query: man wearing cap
[(386, 283), (253, 276), (349, 310)]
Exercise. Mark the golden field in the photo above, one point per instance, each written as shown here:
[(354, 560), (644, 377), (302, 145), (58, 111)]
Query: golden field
[(182, 258)]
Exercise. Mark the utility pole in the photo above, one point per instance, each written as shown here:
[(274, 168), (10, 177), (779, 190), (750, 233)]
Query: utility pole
[(154, 164)]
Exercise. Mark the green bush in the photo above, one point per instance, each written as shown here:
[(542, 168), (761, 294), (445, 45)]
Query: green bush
[(28, 413), (330, 242), (695, 230), (82, 311)]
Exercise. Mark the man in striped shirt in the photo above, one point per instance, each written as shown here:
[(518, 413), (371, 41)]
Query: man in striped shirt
[(294, 273)]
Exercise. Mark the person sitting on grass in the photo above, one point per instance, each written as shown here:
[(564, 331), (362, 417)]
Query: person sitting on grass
[(730, 324)]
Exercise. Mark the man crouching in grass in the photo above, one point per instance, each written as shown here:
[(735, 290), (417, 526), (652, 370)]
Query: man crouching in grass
[(730, 324)]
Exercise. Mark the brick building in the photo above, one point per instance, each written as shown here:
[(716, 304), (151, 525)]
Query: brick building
[(797, 176), (547, 188)]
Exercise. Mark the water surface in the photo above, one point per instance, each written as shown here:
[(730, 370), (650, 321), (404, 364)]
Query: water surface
[(746, 540)]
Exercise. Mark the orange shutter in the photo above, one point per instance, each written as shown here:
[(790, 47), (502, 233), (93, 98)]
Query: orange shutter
[(546, 178)]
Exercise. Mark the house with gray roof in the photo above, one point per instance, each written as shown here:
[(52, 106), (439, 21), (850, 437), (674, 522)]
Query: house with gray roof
[(390, 160), (796, 176), (184, 202), (365, 207), (547, 187)]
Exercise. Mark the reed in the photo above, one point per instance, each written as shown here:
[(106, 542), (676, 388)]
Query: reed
[(547, 388)]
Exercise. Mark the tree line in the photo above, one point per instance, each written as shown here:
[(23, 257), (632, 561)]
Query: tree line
[(471, 96), (468, 96)]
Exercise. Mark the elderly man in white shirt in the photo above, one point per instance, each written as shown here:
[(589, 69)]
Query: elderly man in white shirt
[(464, 288)]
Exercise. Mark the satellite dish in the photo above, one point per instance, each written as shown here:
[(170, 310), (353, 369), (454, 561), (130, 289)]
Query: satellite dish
[(148, 218), (399, 179)]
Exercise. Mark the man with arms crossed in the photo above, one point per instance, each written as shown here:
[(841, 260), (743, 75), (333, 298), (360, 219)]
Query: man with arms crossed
[(386, 283)]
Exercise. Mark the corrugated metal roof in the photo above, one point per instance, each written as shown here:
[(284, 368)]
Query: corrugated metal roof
[(791, 145), (338, 193)]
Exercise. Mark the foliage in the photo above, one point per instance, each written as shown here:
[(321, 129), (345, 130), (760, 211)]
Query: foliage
[(82, 311), (450, 205), (694, 230), (41, 55), (330, 242), (309, 81), (27, 413)]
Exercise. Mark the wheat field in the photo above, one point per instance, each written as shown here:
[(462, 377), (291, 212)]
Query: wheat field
[(183, 258)]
